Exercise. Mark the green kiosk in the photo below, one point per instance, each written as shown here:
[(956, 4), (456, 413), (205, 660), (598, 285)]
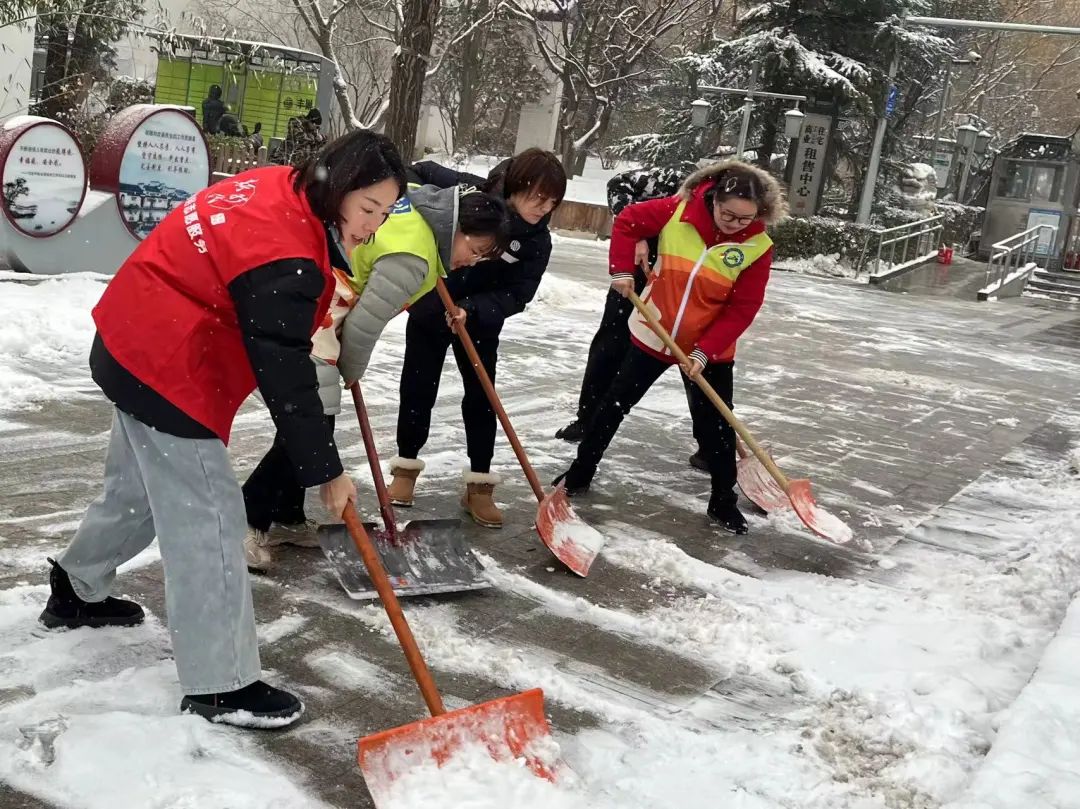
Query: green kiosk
[(260, 82)]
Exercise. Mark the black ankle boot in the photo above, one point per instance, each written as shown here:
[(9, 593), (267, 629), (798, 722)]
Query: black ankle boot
[(254, 706), (572, 432), (575, 480), (697, 460), (65, 609), (728, 517)]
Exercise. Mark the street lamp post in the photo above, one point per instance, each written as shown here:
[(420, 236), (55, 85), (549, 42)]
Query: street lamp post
[(793, 118), (748, 105), (976, 144), (972, 58)]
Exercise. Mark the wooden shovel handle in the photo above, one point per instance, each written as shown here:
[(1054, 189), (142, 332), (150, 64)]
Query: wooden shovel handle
[(393, 610), (385, 507), (711, 393), (489, 389)]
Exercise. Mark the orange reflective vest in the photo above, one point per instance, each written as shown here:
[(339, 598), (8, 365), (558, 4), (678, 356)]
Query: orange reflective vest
[(691, 284)]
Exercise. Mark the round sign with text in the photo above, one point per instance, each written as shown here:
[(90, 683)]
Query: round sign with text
[(43, 176), (164, 162)]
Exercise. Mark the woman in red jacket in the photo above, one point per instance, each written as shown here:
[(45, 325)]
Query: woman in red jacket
[(222, 297), (712, 269)]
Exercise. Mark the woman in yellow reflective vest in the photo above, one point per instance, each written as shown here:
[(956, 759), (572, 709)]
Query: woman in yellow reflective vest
[(708, 285), (428, 232)]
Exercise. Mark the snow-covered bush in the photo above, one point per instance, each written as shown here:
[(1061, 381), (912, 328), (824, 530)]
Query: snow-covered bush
[(819, 235)]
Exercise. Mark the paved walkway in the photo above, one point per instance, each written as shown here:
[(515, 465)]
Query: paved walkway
[(891, 404), (961, 280)]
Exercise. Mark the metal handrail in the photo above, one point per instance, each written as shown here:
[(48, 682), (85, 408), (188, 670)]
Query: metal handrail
[(916, 242), (1007, 258)]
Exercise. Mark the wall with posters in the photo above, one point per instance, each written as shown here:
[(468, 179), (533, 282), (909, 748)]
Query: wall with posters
[(60, 216)]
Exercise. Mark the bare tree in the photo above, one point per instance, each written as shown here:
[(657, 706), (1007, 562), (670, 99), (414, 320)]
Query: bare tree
[(1024, 82), (600, 50)]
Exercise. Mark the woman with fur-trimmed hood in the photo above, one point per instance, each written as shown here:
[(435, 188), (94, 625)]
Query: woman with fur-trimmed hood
[(709, 283)]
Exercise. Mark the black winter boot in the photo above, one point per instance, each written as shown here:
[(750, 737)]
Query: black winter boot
[(576, 480), (254, 706), (727, 515), (572, 432), (65, 609), (697, 460)]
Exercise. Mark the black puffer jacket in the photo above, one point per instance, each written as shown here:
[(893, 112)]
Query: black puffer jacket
[(493, 290)]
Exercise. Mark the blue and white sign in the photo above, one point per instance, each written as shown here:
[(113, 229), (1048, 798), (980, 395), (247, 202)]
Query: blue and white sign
[(890, 101)]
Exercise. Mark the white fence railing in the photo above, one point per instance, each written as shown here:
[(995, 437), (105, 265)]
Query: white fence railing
[(892, 250), (1017, 256)]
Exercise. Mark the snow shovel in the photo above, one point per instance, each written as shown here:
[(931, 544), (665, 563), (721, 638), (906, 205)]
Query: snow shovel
[(798, 492), (513, 728), (570, 538), (756, 483), (423, 557)]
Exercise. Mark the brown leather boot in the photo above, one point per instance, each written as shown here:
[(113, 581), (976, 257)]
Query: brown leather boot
[(479, 499), (402, 487)]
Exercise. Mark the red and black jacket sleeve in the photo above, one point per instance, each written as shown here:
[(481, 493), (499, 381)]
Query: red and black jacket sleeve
[(276, 305)]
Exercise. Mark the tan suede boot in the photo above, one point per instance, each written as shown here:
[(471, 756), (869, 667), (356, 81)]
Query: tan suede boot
[(405, 472), (479, 499)]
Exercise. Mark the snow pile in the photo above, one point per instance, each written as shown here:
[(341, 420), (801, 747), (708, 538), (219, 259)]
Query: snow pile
[(826, 266), (45, 337), (90, 720), (1033, 762)]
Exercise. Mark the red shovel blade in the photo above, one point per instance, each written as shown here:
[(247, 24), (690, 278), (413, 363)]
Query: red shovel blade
[(759, 486), (817, 519), (573, 541), (510, 728)]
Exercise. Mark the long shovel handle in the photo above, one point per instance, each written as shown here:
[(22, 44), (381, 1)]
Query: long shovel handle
[(711, 393), (493, 397), (385, 507), (393, 611)]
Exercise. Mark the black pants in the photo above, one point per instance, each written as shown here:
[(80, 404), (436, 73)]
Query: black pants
[(609, 348), (634, 377), (272, 492), (426, 343)]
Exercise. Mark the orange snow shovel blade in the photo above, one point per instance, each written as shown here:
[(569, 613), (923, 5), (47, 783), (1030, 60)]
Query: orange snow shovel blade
[(761, 488), (573, 541), (814, 517), (512, 728), (758, 485)]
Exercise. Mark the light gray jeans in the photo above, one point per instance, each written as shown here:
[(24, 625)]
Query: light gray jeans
[(184, 490)]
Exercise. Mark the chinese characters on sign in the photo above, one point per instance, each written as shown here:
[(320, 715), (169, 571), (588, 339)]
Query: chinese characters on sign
[(44, 180), (165, 162), (809, 165)]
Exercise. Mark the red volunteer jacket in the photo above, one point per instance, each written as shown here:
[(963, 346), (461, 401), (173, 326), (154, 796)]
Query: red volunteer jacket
[(167, 317), (645, 220)]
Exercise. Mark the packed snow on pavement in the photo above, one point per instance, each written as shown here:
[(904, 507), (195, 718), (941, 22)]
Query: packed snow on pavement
[(895, 691)]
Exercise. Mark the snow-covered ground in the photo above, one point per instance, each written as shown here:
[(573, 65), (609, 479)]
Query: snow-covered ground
[(880, 691)]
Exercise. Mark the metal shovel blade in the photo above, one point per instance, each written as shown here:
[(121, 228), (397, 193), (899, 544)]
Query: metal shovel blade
[(817, 519), (759, 486), (512, 728), (573, 541), (427, 558)]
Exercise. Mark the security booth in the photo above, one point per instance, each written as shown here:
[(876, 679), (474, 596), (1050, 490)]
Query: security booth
[(260, 82), (1035, 181)]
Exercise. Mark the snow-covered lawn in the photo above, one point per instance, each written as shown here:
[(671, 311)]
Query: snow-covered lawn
[(880, 691)]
